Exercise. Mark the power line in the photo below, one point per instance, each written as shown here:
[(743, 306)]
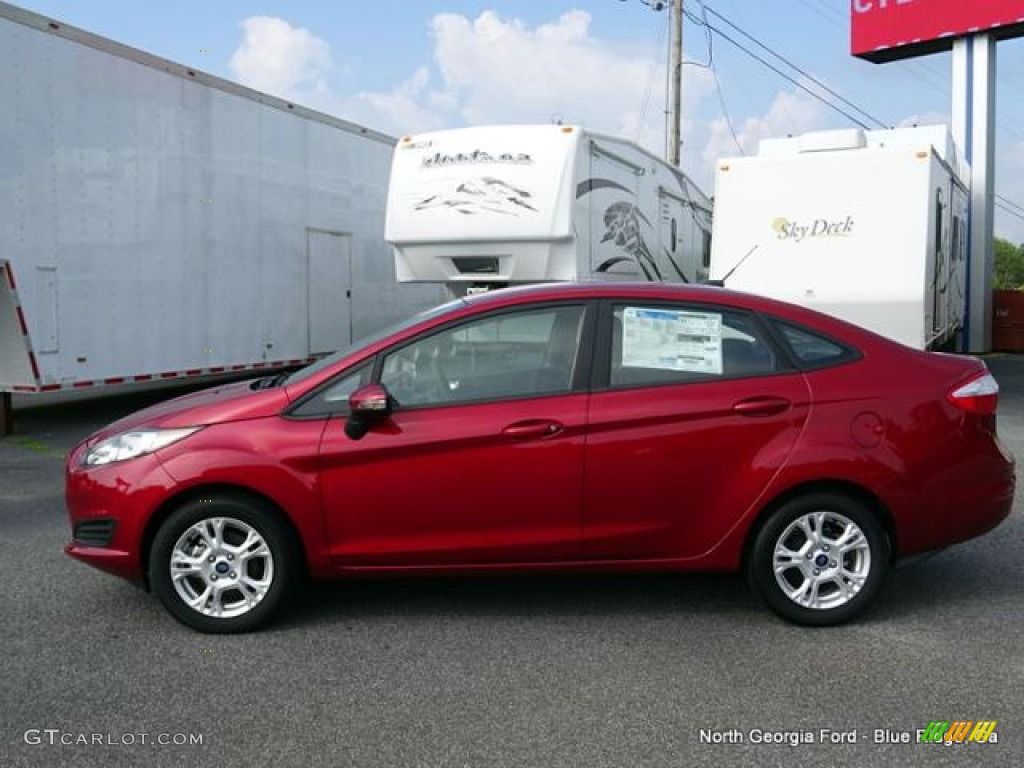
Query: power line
[(1007, 209), (718, 82), (778, 71), (659, 44), (815, 8), (661, 4), (707, 36), (1010, 203), (725, 112), (923, 70), (796, 68), (1001, 202)]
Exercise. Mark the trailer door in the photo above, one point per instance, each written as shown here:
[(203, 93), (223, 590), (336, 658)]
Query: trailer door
[(621, 235), (675, 252), (330, 290)]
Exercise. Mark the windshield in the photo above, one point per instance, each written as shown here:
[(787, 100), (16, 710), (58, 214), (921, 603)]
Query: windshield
[(366, 341)]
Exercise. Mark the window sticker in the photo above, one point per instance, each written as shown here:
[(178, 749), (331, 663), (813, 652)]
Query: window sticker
[(672, 340)]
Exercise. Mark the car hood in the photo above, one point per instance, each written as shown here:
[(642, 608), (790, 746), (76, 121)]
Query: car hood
[(216, 405)]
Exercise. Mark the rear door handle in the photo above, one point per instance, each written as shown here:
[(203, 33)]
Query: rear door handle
[(761, 406), (532, 429)]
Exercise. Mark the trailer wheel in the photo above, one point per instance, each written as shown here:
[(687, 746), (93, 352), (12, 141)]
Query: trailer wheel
[(819, 559), (223, 564)]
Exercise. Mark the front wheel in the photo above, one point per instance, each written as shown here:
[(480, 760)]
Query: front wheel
[(222, 564), (819, 559)]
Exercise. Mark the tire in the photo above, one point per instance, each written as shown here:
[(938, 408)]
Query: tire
[(233, 560), (800, 540)]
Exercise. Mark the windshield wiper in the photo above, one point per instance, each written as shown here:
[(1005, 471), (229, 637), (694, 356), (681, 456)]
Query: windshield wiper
[(269, 382)]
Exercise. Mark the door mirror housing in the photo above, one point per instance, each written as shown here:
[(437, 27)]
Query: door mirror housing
[(368, 404), (370, 400)]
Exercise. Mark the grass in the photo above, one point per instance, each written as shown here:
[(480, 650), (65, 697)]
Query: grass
[(31, 444)]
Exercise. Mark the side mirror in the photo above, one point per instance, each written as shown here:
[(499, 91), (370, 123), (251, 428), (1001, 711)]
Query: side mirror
[(366, 405)]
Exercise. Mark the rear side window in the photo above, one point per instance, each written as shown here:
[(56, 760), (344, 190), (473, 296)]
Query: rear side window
[(671, 345), (812, 350)]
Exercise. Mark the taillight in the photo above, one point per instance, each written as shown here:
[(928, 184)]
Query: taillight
[(980, 395)]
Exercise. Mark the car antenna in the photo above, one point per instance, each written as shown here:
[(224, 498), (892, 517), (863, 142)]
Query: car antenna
[(737, 265)]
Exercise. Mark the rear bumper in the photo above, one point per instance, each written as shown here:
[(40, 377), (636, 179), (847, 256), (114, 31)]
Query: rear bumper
[(957, 506)]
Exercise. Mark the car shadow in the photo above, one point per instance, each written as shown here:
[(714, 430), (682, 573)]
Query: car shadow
[(522, 596), (948, 582), (951, 580)]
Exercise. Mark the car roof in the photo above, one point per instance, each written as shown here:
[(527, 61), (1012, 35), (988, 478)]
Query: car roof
[(597, 290), (609, 290)]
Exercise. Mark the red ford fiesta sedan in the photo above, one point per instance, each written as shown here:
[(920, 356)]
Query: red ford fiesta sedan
[(555, 427)]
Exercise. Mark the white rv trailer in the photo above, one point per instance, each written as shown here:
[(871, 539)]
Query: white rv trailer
[(869, 226), (160, 223), (489, 206)]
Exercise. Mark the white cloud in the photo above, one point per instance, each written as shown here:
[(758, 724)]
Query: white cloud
[(493, 70), (411, 103), (790, 113), (283, 60), (504, 70), (484, 70)]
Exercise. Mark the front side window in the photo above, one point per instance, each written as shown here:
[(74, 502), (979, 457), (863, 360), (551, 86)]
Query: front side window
[(341, 354), (513, 354), (669, 345), (333, 397)]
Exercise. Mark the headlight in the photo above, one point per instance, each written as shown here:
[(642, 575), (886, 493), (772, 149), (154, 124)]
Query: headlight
[(129, 445)]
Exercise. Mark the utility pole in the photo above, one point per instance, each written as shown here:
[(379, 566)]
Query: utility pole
[(674, 108), (676, 83)]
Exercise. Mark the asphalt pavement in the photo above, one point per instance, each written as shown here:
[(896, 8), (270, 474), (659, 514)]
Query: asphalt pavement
[(666, 670)]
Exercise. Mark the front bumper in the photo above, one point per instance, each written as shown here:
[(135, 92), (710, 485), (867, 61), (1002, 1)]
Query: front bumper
[(109, 507)]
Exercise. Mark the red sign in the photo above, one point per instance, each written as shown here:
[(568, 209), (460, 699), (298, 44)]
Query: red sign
[(884, 30)]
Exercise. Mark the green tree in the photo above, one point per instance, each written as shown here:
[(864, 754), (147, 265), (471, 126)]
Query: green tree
[(1009, 265)]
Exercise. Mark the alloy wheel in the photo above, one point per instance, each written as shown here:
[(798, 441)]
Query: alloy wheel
[(821, 560), (221, 567)]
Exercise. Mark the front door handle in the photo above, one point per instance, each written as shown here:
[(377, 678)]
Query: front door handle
[(532, 429), (761, 406)]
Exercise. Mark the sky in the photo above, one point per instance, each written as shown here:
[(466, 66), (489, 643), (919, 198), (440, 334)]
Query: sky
[(408, 66)]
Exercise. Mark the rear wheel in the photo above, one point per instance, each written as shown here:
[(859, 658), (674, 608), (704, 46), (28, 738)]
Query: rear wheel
[(819, 559), (223, 564)]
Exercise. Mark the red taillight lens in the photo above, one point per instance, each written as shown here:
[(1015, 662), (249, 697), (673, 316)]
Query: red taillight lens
[(979, 395)]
